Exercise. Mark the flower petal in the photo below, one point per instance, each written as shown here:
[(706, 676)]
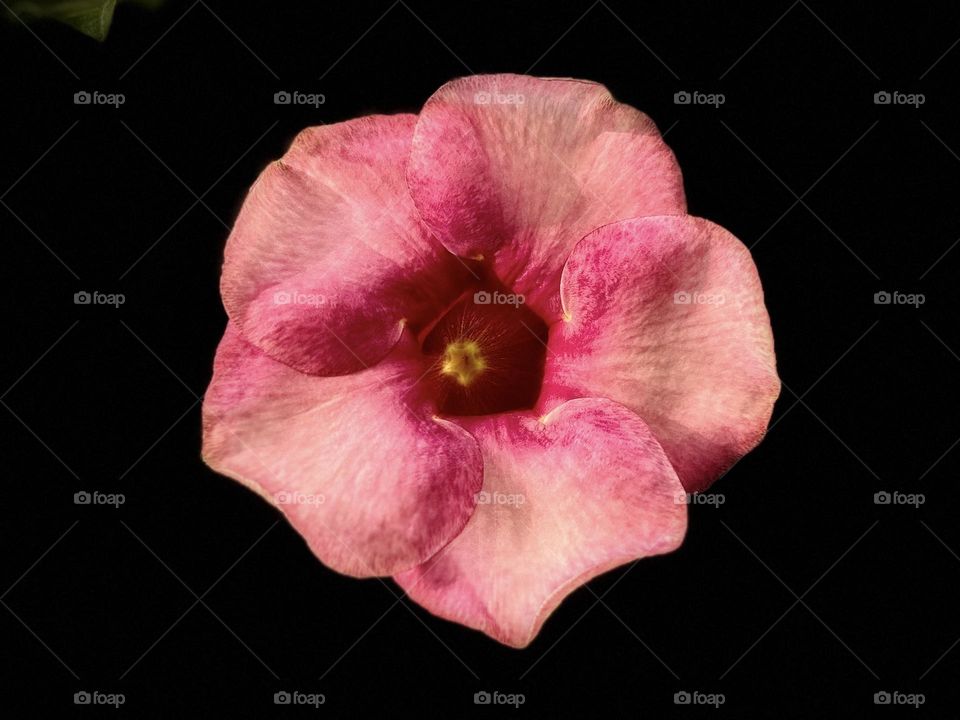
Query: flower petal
[(328, 258), (666, 315), (565, 497), (518, 169), (357, 464)]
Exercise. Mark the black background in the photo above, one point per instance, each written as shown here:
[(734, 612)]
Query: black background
[(798, 597)]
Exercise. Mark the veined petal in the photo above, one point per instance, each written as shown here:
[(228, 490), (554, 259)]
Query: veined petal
[(665, 315), (328, 259), (362, 470), (518, 169), (565, 497)]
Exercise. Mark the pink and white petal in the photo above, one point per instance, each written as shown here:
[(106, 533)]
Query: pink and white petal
[(518, 169), (565, 497), (361, 469), (666, 315), (328, 258)]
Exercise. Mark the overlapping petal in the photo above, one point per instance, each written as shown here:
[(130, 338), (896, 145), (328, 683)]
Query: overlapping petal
[(666, 315), (328, 259), (518, 169), (358, 465), (565, 497)]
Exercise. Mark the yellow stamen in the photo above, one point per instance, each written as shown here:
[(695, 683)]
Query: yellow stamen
[(463, 361)]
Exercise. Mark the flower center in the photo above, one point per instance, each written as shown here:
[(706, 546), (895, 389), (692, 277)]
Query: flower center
[(487, 354), (463, 361)]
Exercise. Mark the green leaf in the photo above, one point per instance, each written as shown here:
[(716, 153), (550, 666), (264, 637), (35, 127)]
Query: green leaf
[(91, 17)]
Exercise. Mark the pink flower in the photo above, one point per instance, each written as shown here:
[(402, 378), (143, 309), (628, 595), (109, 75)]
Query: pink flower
[(483, 349)]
